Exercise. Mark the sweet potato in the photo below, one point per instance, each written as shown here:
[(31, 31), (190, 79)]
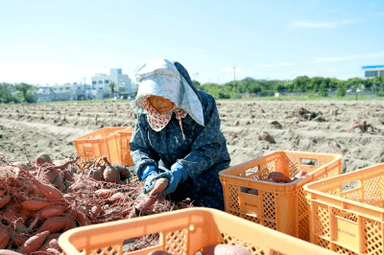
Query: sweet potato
[(104, 193), (47, 241), (34, 204), (278, 177), (9, 252), (111, 174), (4, 236), (54, 224), (123, 170), (96, 211), (51, 211), (71, 224), (53, 251), (43, 158), (68, 176), (159, 253), (223, 249), (5, 200), (48, 175), (117, 197), (33, 243), (96, 174), (59, 183), (48, 191), (77, 186), (40, 252), (82, 219), (54, 244), (143, 205)]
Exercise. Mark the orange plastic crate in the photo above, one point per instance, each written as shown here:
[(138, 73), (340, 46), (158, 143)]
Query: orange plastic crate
[(112, 142), (347, 211), (279, 206), (184, 231)]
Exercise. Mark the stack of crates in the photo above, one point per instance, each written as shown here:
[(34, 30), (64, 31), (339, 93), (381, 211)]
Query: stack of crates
[(111, 142), (347, 211), (279, 206), (184, 231)]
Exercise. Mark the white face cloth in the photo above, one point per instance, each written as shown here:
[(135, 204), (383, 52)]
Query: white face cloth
[(161, 78)]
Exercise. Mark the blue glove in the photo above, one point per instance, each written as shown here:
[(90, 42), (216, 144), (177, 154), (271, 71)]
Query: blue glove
[(176, 176), (147, 171)]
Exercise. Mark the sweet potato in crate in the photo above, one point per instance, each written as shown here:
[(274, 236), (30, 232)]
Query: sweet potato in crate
[(184, 231), (279, 206), (112, 142), (347, 211)]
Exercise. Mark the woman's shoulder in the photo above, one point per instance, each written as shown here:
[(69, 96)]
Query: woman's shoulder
[(206, 99)]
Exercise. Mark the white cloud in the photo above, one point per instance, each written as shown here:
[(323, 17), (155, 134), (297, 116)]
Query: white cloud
[(345, 58), (312, 24), (268, 65), (348, 21)]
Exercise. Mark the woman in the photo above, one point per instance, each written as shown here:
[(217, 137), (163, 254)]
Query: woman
[(177, 136)]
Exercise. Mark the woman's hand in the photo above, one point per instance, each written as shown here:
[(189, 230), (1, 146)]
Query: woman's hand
[(175, 176)]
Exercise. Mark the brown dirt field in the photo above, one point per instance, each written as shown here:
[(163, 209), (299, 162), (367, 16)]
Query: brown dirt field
[(28, 130)]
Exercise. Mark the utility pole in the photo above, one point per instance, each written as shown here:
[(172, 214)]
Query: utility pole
[(234, 79), (234, 73)]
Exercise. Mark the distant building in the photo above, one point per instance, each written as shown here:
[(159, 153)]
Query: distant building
[(100, 84), (64, 92), (80, 91), (44, 94), (373, 71)]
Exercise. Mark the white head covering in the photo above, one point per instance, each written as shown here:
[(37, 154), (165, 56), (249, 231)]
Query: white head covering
[(161, 78)]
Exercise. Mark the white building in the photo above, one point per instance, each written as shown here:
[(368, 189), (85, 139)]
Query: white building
[(373, 71), (80, 91), (100, 84), (64, 92), (44, 94)]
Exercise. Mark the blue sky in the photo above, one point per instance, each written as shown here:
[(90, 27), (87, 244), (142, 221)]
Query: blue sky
[(49, 42)]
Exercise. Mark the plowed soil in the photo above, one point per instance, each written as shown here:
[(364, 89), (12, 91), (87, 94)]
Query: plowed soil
[(28, 130)]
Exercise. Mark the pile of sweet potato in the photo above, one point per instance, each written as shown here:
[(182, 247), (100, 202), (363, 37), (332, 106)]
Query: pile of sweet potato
[(40, 200)]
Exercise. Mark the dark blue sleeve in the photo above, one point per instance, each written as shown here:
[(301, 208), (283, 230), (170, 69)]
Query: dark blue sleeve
[(209, 146)]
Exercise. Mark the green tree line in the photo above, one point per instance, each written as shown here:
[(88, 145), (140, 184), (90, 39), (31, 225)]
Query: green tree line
[(302, 84), (25, 93), (18, 93)]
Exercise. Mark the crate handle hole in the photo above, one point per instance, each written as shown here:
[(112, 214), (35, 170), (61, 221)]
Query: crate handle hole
[(142, 242), (250, 191), (351, 186), (309, 162), (251, 171)]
